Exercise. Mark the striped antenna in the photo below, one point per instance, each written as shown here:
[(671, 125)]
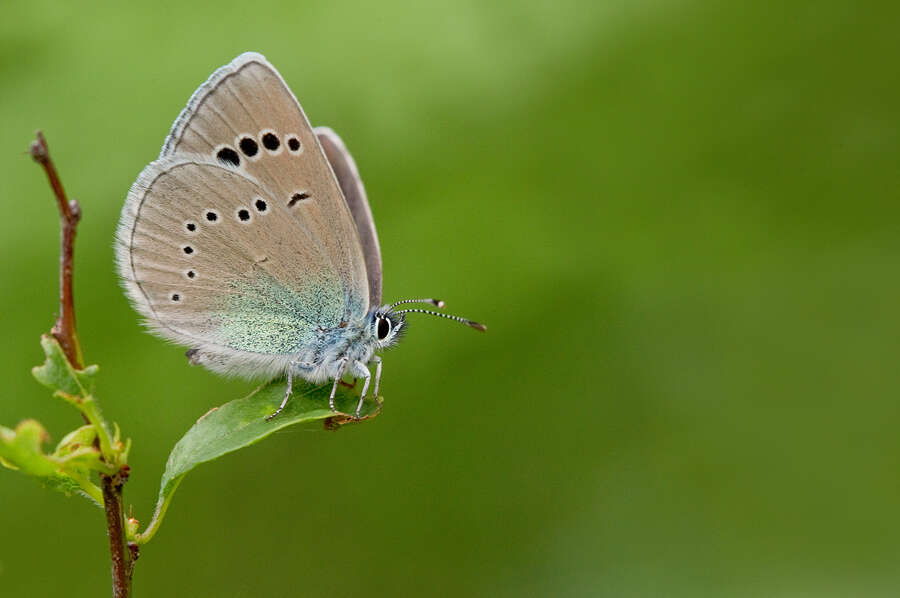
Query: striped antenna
[(435, 302), (474, 325)]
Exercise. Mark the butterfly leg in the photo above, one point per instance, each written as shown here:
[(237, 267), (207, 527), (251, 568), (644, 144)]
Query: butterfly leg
[(290, 386), (337, 379), (362, 371), (377, 361), (287, 395)]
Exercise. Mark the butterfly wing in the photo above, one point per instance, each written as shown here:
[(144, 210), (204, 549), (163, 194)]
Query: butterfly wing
[(345, 170), (238, 241), (212, 261), (245, 115)]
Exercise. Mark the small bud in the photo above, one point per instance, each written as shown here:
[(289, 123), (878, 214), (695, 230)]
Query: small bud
[(83, 436), (131, 527)]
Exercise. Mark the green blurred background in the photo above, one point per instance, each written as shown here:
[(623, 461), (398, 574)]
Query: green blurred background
[(679, 220)]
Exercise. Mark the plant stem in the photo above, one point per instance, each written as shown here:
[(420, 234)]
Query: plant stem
[(88, 487), (122, 554), (69, 215), (158, 514), (122, 560), (91, 413)]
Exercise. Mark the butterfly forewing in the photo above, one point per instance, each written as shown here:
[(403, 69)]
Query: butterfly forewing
[(247, 117)]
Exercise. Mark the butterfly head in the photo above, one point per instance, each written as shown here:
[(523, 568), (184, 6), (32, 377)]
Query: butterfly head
[(387, 324)]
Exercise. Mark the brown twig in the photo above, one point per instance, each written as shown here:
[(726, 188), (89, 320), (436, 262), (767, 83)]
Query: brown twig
[(122, 560), (65, 333), (69, 214)]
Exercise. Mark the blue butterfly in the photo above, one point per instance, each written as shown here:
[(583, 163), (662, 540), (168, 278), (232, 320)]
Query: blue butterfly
[(251, 240)]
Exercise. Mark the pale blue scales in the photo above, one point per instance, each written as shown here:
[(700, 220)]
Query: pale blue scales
[(264, 316)]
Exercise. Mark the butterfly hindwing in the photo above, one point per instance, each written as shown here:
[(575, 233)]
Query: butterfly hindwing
[(345, 170), (211, 260)]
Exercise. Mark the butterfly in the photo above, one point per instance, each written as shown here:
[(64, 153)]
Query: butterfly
[(251, 240)]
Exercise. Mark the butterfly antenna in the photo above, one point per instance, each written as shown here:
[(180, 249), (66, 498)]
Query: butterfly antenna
[(474, 325), (435, 302)]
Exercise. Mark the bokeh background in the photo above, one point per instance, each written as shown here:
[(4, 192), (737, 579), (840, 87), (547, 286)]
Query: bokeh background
[(678, 218)]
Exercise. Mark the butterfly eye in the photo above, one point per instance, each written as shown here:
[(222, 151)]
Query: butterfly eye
[(384, 328)]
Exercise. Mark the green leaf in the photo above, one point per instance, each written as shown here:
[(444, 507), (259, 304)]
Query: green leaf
[(59, 375), (20, 449), (75, 387), (76, 453), (70, 484), (74, 440), (242, 422)]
